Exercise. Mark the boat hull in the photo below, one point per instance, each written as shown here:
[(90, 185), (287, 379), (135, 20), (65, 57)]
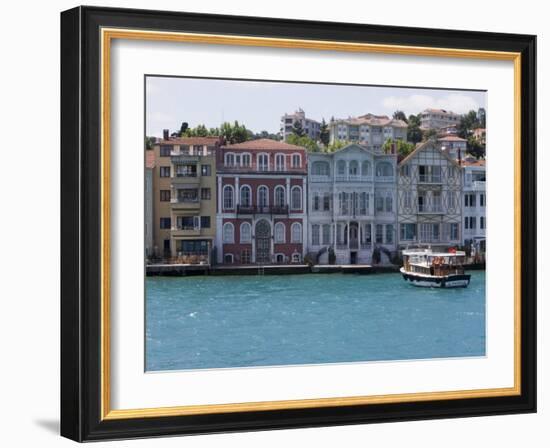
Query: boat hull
[(432, 281)]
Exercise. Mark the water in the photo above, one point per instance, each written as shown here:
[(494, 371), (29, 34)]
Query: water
[(241, 321)]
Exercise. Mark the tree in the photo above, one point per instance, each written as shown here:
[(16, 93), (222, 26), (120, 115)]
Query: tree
[(429, 134), (475, 148), (338, 144), (468, 122), (236, 133), (183, 128), (303, 141), (414, 133), (324, 134), (400, 115), (297, 129), (403, 148), (481, 117), (149, 142)]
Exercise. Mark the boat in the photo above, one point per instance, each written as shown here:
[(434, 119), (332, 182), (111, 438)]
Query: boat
[(425, 268)]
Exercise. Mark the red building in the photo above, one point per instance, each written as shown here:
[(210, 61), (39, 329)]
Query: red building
[(261, 203)]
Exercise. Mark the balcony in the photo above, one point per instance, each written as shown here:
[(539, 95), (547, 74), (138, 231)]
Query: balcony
[(185, 203), (189, 179), (178, 231), (385, 178), (429, 179), (262, 210), (320, 178), (477, 185), (430, 209), (353, 178)]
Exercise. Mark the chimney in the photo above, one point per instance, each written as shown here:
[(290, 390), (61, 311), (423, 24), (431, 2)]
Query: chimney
[(166, 134), (460, 156)]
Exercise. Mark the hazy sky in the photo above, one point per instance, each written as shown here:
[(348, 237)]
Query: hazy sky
[(260, 105)]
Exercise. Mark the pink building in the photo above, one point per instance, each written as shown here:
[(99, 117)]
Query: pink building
[(261, 203)]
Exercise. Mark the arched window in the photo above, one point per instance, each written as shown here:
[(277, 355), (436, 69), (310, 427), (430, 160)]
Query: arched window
[(246, 232), (263, 196), (280, 162), (296, 233), (320, 168), (280, 233), (341, 168), (228, 199), (384, 169), (296, 160), (389, 203), (263, 162), (228, 259), (228, 233), (296, 198), (229, 159), (279, 196), (246, 159), (246, 196), (353, 168), (365, 168)]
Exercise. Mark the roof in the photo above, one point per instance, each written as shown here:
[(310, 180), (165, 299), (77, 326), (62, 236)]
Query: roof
[(451, 138), (149, 158), (480, 162), (374, 120), (264, 144), (440, 111), (421, 146), (191, 141)]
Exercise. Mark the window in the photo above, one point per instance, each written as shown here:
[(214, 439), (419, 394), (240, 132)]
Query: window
[(296, 160), (296, 257), (365, 168), (407, 232), (279, 233), (482, 200), (263, 196), (206, 193), (206, 170), (320, 169), (406, 170), (229, 159), (315, 235), (188, 170), (316, 202), (389, 203), (482, 222), (341, 168), (436, 201), (165, 223), (296, 198), (246, 232), (280, 196), (326, 234), (343, 200), (379, 233), (263, 162), (190, 247), (378, 203), (165, 150), (429, 173), (186, 223), (245, 256), (205, 222), (228, 233), (296, 233), (228, 200), (367, 234), (363, 203), (246, 160), (279, 258), (164, 171), (429, 232), (470, 200), (453, 231), (326, 202), (353, 168), (389, 233), (246, 196), (407, 199), (280, 162), (228, 258), (188, 195), (165, 195), (384, 169)]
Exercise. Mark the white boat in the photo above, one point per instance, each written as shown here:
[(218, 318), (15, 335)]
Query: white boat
[(422, 267)]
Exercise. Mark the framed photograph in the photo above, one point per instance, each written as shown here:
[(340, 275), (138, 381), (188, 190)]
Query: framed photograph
[(276, 224)]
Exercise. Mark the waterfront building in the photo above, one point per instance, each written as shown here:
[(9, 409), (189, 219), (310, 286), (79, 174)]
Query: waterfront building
[(430, 192), (438, 118), (474, 204), (311, 127), (351, 204), (185, 198), (367, 130), (149, 201), (261, 207), (453, 145)]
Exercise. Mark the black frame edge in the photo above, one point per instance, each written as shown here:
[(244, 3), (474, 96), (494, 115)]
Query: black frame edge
[(80, 216)]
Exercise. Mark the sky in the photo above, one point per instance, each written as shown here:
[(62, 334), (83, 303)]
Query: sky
[(259, 105)]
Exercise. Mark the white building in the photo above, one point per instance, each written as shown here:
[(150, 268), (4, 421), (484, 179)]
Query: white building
[(474, 204), (429, 205), (368, 130), (438, 118), (311, 127), (453, 145), (351, 204)]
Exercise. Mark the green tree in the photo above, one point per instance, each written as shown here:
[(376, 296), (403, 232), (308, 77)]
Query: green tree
[(297, 129), (324, 134), (482, 117), (236, 133), (400, 115), (475, 148), (149, 142), (429, 134), (414, 133), (403, 148), (303, 141), (338, 144), (468, 122)]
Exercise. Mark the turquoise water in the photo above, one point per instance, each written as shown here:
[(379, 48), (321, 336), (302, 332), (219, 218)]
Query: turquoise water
[(240, 321)]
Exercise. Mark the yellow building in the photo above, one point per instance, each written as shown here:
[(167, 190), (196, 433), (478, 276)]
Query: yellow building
[(184, 211)]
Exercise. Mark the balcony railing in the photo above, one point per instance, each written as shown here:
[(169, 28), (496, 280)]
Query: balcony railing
[(429, 179), (262, 209), (430, 209), (182, 200), (353, 178)]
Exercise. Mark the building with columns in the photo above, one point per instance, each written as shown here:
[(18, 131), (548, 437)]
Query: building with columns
[(429, 198), (261, 207), (351, 204)]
